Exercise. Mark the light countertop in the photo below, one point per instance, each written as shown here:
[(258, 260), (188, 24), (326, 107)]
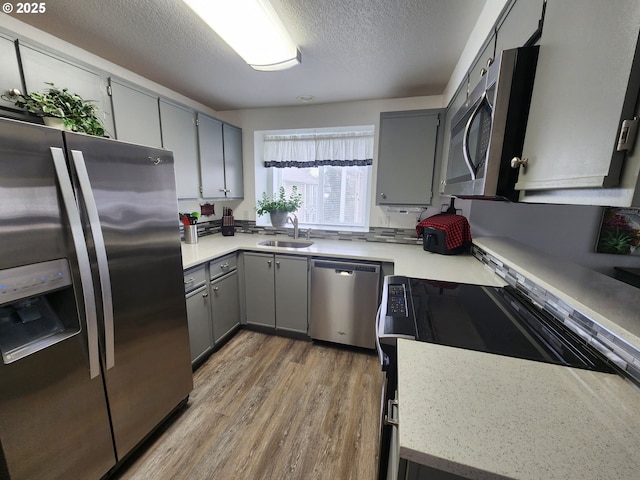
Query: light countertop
[(472, 413), (409, 260)]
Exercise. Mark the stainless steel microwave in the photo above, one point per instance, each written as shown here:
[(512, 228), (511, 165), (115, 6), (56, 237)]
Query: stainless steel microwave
[(488, 130)]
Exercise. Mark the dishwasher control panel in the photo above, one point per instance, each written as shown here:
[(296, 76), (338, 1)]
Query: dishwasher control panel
[(397, 300)]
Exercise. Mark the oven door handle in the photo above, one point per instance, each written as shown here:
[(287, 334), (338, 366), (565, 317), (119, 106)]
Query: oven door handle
[(389, 419), (378, 346)]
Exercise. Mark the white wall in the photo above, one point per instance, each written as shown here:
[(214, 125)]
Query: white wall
[(320, 116), (566, 231)]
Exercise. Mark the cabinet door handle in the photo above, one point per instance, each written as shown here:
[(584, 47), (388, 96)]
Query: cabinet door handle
[(516, 162), (205, 295), (383, 195), (224, 266), (215, 289), (188, 281), (278, 264), (14, 92), (269, 262)]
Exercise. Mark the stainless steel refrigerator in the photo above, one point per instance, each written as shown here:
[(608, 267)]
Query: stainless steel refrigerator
[(93, 329)]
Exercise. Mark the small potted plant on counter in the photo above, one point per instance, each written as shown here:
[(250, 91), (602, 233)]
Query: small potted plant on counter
[(278, 207), (61, 109)]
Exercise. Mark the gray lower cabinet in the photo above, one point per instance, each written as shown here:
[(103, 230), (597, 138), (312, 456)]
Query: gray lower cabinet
[(179, 134), (135, 114), (276, 291), (259, 287), (225, 306), (10, 78), (291, 293), (407, 150), (199, 319)]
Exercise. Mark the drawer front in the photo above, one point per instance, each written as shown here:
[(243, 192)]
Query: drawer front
[(194, 277), (222, 265)]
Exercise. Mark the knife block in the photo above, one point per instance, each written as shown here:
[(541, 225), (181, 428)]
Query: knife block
[(228, 228)]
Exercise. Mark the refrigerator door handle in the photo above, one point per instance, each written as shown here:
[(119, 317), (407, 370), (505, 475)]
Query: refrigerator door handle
[(71, 208), (101, 254)]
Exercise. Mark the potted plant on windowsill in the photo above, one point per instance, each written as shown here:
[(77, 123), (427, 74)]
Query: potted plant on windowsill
[(279, 206), (61, 109)]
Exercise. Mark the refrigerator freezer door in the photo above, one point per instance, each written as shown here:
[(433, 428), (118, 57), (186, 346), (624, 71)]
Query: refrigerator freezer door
[(134, 192), (49, 406)]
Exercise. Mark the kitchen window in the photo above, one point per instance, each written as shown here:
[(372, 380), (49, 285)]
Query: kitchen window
[(330, 169)]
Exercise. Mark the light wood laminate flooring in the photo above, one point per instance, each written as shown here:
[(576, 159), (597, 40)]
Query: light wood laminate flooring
[(270, 407)]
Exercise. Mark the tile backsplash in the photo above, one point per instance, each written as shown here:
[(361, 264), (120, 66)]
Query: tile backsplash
[(375, 234)]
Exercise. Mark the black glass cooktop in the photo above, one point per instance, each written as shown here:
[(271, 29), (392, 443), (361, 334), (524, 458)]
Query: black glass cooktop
[(487, 319)]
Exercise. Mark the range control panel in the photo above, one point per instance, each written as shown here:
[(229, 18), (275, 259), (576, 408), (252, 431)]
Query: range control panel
[(397, 300)]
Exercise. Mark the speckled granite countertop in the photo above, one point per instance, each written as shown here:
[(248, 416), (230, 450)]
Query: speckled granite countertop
[(409, 260), (486, 416)]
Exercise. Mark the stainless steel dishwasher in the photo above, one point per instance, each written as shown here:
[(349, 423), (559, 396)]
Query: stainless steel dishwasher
[(344, 302)]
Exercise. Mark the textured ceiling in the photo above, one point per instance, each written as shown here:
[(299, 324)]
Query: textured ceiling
[(351, 49)]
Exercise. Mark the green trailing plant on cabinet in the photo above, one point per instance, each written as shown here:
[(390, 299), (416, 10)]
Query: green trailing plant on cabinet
[(77, 114)]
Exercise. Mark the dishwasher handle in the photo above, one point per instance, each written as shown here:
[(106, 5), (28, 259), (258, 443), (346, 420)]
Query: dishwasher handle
[(343, 272), (346, 268)]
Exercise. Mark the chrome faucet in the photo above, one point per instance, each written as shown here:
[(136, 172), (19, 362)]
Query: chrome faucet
[(294, 221)]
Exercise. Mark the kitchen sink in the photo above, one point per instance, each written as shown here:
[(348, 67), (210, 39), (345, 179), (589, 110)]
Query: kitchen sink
[(286, 243)]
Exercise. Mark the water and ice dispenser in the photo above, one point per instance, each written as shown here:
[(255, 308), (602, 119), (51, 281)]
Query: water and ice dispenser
[(37, 308)]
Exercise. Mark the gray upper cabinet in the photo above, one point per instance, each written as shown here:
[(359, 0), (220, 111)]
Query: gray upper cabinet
[(407, 150), (10, 77), (220, 159), (483, 61), (519, 25), (41, 67), (586, 84), (211, 156), (136, 115), (179, 134), (233, 161)]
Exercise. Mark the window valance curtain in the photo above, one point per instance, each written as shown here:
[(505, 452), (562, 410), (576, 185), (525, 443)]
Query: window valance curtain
[(313, 150)]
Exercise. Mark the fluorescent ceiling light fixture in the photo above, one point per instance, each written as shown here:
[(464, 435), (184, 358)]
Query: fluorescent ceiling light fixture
[(252, 28)]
